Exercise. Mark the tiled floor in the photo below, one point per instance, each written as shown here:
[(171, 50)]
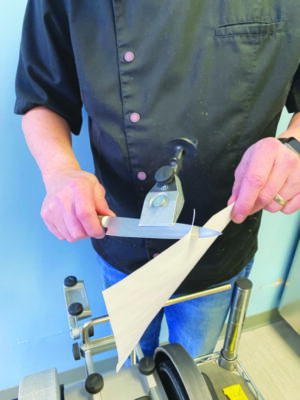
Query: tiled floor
[(271, 356)]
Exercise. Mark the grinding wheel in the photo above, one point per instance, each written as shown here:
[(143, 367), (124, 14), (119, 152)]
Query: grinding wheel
[(180, 376)]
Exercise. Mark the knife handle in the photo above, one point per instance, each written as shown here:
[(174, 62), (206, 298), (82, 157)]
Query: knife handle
[(104, 220)]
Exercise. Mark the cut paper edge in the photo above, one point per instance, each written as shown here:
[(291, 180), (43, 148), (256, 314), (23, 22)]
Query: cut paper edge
[(133, 302)]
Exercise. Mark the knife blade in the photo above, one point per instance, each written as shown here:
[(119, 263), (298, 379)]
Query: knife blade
[(129, 227)]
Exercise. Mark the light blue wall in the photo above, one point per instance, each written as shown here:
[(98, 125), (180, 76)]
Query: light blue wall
[(278, 239), (34, 332)]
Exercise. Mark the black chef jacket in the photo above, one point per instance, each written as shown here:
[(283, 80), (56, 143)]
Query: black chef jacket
[(149, 71)]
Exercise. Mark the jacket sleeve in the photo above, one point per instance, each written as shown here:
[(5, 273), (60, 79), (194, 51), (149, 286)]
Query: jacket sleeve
[(46, 73), (293, 99)]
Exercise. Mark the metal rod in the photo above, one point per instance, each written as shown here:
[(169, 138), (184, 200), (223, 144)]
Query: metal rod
[(139, 352), (175, 300), (100, 345), (89, 324), (133, 357), (90, 368), (228, 355), (187, 297), (88, 344)]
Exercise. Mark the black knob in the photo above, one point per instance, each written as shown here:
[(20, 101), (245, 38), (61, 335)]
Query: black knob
[(189, 145), (76, 351), (164, 174), (70, 281), (244, 283), (147, 366), (94, 383), (75, 309)]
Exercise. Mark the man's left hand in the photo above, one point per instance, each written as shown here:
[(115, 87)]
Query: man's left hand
[(267, 169)]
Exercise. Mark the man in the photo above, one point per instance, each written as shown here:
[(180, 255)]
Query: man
[(148, 72)]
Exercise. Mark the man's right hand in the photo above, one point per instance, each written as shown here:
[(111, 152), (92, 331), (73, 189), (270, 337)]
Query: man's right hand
[(74, 199)]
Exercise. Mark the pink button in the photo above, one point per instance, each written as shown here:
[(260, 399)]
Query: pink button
[(129, 56), (135, 117), (155, 255), (141, 175)]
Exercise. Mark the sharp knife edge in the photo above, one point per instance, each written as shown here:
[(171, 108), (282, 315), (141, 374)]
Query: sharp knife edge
[(129, 227)]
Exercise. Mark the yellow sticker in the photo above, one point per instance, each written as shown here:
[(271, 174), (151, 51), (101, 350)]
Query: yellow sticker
[(235, 392)]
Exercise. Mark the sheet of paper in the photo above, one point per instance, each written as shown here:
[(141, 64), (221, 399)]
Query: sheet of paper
[(133, 302)]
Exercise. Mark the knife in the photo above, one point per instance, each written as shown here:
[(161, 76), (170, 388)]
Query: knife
[(129, 227)]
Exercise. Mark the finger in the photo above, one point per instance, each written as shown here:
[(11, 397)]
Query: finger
[(85, 209), (58, 229), (231, 200), (59, 218), (74, 227), (90, 222), (60, 226), (275, 205), (276, 185), (101, 205), (291, 186), (76, 209), (273, 185), (48, 214), (255, 177), (292, 205), (63, 217), (238, 177)]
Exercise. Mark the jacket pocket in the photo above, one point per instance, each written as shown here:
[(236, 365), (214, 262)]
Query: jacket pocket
[(251, 28)]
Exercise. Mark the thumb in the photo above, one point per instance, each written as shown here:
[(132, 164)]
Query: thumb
[(101, 205)]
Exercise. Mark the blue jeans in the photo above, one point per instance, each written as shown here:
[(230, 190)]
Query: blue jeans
[(196, 324)]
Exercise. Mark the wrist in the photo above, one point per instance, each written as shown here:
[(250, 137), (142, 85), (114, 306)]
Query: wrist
[(291, 143), (55, 172)]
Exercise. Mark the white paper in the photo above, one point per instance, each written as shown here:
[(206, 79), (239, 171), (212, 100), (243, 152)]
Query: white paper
[(133, 302)]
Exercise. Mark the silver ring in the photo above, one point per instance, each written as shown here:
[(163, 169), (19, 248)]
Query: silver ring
[(280, 200)]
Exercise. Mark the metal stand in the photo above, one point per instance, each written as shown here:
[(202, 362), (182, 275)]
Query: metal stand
[(172, 375), (89, 347), (228, 356)]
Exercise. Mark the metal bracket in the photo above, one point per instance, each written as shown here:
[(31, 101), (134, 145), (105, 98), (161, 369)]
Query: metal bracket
[(75, 295), (163, 204)]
